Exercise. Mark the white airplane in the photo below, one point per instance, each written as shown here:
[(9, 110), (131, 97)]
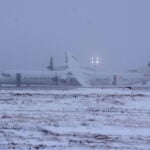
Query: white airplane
[(97, 78), (73, 75), (54, 77)]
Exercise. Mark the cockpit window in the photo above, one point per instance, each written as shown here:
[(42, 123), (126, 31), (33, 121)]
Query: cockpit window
[(5, 74)]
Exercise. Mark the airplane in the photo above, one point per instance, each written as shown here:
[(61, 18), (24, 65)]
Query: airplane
[(98, 78), (58, 77), (90, 77), (73, 75)]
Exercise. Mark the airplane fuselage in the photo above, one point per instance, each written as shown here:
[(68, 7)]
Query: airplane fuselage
[(36, 78), (113, 79)]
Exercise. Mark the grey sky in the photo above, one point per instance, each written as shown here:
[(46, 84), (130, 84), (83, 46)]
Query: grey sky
[(33, 30)]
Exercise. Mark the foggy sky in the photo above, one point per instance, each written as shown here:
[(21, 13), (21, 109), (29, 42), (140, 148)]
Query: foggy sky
[(31, 31)]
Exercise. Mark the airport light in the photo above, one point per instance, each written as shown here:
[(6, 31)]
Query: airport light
[(95, 61)]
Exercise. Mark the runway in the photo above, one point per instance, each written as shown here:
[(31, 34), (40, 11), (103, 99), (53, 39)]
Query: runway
[(74, 118)]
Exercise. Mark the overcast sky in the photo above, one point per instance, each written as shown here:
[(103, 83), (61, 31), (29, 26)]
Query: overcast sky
[(31, 31)]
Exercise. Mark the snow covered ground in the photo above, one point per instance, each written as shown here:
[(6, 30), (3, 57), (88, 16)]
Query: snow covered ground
[(75, 119)]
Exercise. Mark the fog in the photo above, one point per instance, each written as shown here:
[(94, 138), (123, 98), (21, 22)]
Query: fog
[(118, 31)]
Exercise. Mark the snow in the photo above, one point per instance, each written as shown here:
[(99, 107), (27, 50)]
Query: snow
[(75, 118)]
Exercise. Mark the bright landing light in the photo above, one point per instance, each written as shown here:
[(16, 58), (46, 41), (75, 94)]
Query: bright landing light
[(95, 60)]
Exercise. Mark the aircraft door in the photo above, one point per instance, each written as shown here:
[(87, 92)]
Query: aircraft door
[(18, 79), (114, 80)]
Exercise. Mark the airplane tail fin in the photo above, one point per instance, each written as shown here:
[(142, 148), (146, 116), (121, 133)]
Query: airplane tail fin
[(75, 68), (72, 61), (51, 64), (145, 69)]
